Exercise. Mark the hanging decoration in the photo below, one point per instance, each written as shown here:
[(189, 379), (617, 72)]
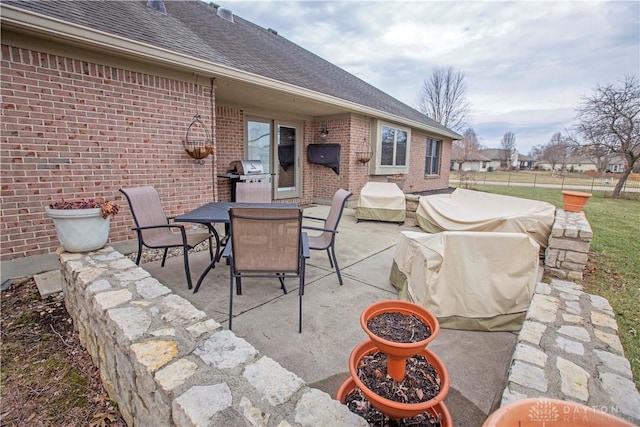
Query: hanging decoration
[(198, 143), (364, 154)]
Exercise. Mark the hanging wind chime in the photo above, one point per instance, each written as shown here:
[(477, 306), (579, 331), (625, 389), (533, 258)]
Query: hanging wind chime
[(197, 142)]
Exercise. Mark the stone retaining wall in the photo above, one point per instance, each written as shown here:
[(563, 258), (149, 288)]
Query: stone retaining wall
[(569, 349), (569, 242), (166, 363)]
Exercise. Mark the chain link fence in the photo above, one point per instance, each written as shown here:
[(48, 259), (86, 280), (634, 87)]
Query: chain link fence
[(544, 179)]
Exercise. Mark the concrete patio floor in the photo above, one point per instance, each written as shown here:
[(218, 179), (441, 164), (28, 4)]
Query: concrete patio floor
[(477, 361)]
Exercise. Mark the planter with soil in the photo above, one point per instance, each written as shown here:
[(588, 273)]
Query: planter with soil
[(394, 377), (352, 397), (400, 329), (83, 225)]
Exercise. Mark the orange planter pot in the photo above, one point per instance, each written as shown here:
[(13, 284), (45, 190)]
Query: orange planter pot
[(536, 412), (437, 410), (397, 353), (574, 201), (389, 407)]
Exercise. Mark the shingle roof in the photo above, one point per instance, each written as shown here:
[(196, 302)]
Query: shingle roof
[(492, 153), (194, 28), (473, 157)]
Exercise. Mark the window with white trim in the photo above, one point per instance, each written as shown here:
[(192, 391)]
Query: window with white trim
[(432, 161), (392, 149)]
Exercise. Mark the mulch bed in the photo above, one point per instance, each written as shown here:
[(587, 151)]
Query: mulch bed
[(48, 378)]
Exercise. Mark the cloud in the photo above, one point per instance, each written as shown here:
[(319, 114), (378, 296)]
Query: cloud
[(531, 127), (529, 62)]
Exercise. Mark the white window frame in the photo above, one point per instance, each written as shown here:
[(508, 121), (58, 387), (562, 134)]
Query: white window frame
[(428, 171), (380, 169)]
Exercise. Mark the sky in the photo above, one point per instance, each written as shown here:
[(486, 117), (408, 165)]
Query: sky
[(527, 64)]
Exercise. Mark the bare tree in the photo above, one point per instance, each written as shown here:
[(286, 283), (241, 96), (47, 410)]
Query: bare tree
[(507, 149), (536, 152), (597, 153), (467, 149), (443, 98), (610, 119), (557, 151)]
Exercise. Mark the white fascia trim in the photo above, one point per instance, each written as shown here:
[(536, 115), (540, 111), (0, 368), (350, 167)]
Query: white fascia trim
[(40, 24)]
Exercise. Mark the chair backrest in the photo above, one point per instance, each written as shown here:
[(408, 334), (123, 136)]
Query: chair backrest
[(337, 207), (266, 240), (253, 192), (146, 209)]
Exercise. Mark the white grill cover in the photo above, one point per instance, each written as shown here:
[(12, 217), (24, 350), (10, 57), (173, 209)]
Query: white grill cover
[(469, 280), (468, 210), (381, 201)]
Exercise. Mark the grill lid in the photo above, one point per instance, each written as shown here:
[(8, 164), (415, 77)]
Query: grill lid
[(247, 167)]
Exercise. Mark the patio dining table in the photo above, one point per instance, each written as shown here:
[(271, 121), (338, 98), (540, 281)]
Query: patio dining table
[(213, 213)]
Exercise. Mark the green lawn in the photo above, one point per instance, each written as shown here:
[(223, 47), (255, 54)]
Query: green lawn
[(613, 269)]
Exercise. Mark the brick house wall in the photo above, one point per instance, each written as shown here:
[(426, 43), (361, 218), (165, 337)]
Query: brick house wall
[(76, 129), (230, 122), (355, 133), (417, 181), (229, 144), (323, 181)]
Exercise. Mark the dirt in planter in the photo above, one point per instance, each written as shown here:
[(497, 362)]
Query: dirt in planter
[(421, 381), (358, 404), (399, 327)]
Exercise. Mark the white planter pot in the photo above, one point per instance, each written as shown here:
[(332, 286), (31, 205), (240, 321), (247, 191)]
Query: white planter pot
[(80, 230)]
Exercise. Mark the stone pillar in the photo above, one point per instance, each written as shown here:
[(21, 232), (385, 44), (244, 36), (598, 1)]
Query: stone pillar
[(412, 201), (567, 252)]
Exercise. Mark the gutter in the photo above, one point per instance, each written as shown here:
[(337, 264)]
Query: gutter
[(37, 24)]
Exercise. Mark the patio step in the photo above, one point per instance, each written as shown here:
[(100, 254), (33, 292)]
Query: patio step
[(48, 283)]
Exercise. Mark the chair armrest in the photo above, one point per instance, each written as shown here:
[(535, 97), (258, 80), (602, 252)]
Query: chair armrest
[(308, 227), (227, 250), (305, 245), (313, 218), (149, 227)]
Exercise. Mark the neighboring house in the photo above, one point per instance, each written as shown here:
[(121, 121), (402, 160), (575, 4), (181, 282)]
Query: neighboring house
[(478, 163), (99, 95), (497, 158), (525, 161), (491, 159), (616, 164), (573, 164), (585, 164)]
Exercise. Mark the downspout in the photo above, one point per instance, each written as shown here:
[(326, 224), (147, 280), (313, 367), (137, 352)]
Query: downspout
[(215, 140)]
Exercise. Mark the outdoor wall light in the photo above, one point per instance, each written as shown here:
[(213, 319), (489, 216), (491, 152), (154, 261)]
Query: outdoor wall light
[(324, 132)]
